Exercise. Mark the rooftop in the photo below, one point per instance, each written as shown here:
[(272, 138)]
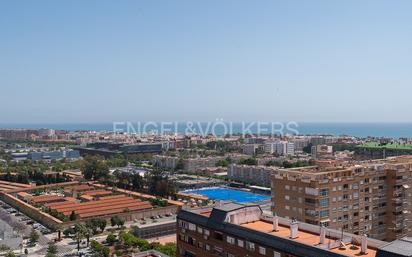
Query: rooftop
[(232, 219), (310, 238), (400, 247)]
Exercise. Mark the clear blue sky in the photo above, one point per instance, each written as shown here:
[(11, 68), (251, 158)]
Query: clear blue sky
[(100, 61)]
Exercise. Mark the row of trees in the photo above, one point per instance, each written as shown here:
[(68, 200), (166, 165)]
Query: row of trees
[(155, 182), (289, 164), (82, 231), (127, 240)]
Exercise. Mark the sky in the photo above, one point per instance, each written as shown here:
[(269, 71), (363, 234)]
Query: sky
[(103, 61)]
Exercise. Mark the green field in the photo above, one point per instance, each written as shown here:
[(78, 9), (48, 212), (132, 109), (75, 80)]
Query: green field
[(377, 145)]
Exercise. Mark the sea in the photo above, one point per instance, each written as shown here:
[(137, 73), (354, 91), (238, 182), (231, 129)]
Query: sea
[(377, 129)]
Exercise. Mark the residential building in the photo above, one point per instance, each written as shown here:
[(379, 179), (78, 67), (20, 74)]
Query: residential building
[(372, 198), (195, 164), (280, 148), (322, 152), (250, 149), (299, 144), (260, 175), (242, 230)]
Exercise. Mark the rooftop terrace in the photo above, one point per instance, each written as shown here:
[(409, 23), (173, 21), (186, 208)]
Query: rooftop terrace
[(247, 221)]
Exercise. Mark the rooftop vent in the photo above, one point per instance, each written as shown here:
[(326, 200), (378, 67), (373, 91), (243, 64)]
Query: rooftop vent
[(275, 223), (322, 235), (294, 228), (364, 244)]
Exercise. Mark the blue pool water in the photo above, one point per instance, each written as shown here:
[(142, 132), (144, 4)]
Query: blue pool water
[(222, 193)]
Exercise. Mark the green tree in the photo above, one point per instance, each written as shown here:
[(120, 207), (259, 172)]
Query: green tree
[(80, 232), (159, 184), (137, 182), (248, 161), (4, 248), (94, 168), (10, 254), (99, 250), (114, 220), (68, 231), (34, 237), (111, 239), (52, 250), (73, 216), (93, 225), (102, 224), (222, 163)]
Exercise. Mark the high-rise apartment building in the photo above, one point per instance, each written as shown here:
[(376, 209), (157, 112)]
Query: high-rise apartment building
[(280, 148), (372, 198)]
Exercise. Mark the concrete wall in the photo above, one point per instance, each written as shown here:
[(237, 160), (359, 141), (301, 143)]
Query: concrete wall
[(32, 212)]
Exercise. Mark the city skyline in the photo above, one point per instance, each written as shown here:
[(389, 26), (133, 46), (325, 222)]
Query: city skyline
[(138, 61)]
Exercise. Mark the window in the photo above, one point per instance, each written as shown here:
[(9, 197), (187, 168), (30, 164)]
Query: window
[(324, 202), (191, 241), (192, 227), (218, 250), (230, 240), (324, 192), (262, 250), (240, 243), (206, 231), (207, 247), (199, 230), (182, 224), (324, 213), (250, 246), (218, 235), (276, 254), (287, 197)]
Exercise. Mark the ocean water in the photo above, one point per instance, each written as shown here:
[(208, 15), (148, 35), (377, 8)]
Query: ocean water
[(394, 130)]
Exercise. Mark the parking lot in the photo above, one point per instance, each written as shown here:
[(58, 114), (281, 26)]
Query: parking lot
[(24, 225)]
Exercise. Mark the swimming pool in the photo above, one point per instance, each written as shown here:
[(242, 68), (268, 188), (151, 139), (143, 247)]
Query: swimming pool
[(223, 193)]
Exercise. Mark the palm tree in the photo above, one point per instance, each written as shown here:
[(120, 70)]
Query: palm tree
[(80, 232)]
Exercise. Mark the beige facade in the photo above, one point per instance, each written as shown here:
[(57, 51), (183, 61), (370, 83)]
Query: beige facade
[(372, 198)]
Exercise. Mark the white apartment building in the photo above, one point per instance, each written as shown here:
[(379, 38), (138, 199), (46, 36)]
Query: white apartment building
[(280, 148)]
